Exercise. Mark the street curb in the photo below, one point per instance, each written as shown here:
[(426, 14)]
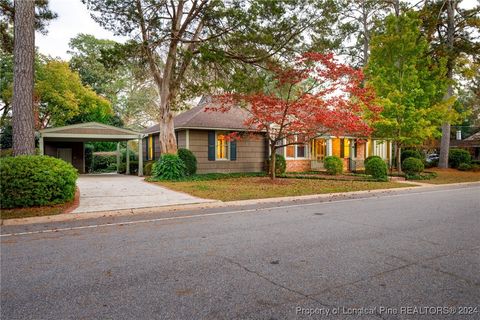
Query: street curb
[(69, 217)]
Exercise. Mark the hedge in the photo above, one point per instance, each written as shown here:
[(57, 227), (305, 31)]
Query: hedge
[(169, 167), (367, 160), (333, 165), (36, 181), (189, 159), (412, 166), (280, 165), (410, 154), (458, 156), (377, 168)]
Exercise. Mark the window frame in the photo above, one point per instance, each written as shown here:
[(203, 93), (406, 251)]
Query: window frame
[(295, 148), (224, 133)]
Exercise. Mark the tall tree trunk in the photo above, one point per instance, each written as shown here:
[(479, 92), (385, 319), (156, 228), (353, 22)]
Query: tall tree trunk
[(273, 154), (22, 103), (398, 157), (445, 142)]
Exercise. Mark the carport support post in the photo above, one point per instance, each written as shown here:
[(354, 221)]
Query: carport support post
[(118, 157), (128, 161), (41, 145), (140, 157)]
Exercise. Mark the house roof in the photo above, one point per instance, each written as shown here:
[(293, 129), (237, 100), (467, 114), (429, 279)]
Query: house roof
[(199, 118), (90, 131), (474, 137)]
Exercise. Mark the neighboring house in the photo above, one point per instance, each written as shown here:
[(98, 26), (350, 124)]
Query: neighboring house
[(204, 133), (471, 144)]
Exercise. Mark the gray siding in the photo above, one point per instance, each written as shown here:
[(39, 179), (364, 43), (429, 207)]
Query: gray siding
[(250, 154), (182, 138)]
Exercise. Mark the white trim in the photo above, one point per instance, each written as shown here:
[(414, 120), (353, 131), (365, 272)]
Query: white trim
[(329, 147), (88, 125), (83, 145), (213, 129), (140, 157), (41, 145), (187, 139), (94, 136)]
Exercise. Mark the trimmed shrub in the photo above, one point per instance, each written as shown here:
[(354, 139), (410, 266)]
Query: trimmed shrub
[(464, 167), (410, 154), (370, 158), (104, 163), (189, 159), (377, 168), (458, 156), (169, 167), (333, 165), (36, 181), (280, 165), (147, 168), (412, 166)]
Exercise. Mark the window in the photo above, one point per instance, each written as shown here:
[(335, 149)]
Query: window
[(290, 148), (222, 146), (301, 150), (295, 150), (150, 147)]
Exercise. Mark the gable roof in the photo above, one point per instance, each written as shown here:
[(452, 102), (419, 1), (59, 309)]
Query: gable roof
[(473, 137), (199, 118), (93, 130)]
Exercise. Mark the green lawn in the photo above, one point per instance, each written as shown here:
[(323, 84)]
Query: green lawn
[(262, 187), (452, 176)]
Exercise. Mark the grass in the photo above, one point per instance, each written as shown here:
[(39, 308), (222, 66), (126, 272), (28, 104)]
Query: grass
[(445, 176), (250, 187), (40, 211), (35, 211)]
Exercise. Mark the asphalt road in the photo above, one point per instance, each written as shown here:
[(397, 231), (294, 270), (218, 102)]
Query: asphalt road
[(412, 255)]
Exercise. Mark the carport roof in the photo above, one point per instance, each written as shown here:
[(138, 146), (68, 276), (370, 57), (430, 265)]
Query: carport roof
[(90, 131)]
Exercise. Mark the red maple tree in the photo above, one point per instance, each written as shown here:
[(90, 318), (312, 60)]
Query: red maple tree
[(315, 96)]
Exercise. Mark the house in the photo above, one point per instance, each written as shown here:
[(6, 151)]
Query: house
[(68, 142), (205, 134), (471, 144)]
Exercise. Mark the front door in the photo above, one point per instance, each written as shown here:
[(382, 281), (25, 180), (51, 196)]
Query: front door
[(65, 154), (319, 150)]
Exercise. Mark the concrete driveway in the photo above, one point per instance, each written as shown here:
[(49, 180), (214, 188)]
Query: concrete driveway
[(106, 192)]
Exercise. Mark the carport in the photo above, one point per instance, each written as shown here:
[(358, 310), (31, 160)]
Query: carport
[(68, 142)]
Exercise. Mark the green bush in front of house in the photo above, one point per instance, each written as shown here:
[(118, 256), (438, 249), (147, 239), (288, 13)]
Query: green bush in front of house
[(189, 159), (458, 156), (367, 160), (147, 168), (410, 154), (377, 168), (333, 165), (280, 165), (412, 167), (169, 167), (28, 181)]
